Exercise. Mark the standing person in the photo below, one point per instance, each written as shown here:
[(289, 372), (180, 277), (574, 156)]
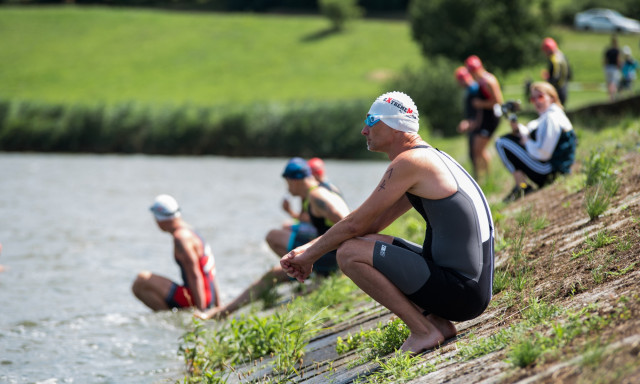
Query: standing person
[(629, 67), (324, 208), (559, 72), (318, 171), (450, 277), (612, 66), (543, 148), (195, 259), (472, 118), (490, 96)]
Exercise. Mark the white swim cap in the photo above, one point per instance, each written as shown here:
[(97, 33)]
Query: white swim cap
[(165, 208), (397, 110)]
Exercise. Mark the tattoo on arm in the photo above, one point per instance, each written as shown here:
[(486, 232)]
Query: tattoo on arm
[(320, 204), (383, 183)]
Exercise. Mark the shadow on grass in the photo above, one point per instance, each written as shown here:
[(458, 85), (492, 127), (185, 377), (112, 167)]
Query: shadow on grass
[(319, 35)]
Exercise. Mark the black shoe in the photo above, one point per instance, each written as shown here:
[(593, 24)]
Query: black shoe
[(518, 192)]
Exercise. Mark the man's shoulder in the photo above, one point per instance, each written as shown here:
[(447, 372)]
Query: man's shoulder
[(428, 173), (323, 193), (417, 157), (184, 234), (490, 76)]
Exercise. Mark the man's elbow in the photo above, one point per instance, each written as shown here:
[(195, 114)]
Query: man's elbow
[(354, 229)]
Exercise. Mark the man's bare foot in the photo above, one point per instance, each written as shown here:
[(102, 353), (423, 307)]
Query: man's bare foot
[(416, 344), (438, 330), (201, 315), (213, 313), (446, 327)]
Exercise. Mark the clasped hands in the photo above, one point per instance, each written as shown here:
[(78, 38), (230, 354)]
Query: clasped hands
[(296, 265)]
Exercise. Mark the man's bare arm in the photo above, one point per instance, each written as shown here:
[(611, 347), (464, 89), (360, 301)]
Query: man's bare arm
[(186, 253), (386, 203), (327, 204)]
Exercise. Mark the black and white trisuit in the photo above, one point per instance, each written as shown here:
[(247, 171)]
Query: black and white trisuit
[(451, 275)]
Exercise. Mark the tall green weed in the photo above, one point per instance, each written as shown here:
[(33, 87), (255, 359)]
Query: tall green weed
[(601, 182)]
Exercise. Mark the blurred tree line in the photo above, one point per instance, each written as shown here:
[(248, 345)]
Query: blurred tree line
[(630, 8), (228, 5)]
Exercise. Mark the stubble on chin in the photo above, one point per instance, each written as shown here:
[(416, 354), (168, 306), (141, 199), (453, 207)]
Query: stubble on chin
[(369, 146)]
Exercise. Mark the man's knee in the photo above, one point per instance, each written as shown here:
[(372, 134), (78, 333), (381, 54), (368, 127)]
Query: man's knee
[(348, 252), (361, 247), (502, 140), (272, 236), (278, 239), (141, 281)]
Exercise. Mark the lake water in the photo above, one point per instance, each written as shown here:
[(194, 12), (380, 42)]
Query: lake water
[(76, 230)]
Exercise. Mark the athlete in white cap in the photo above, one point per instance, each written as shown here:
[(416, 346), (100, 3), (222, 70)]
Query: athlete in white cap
[(199, 288), (448, 278)]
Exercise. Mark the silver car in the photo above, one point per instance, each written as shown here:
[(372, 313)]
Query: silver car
[(599, 19)]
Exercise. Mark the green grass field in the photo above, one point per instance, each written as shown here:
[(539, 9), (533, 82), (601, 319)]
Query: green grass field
[(97, 54), (93, 54)]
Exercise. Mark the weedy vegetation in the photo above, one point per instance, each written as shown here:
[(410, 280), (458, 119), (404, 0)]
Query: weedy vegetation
[(214, 349)]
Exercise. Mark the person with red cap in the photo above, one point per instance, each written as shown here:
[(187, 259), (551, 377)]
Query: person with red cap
[(559, 72), (472, 117), (318, 171), (490, 95)]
